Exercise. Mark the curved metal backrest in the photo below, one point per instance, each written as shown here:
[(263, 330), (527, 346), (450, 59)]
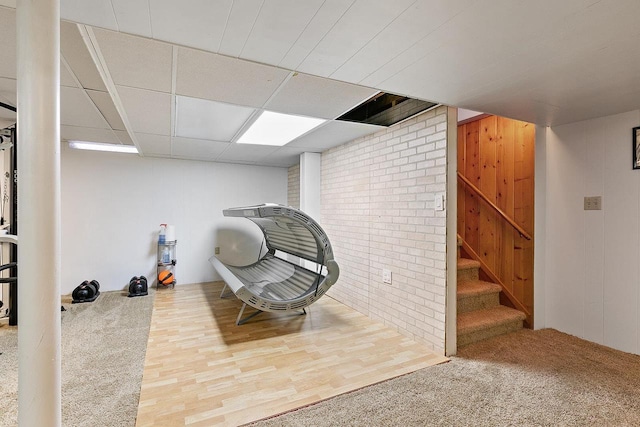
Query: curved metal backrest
[(277, 284), (288, 230)]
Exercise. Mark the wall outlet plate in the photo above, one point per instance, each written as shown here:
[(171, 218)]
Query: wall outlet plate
[(217, 250), (593, 203), (386, 276)]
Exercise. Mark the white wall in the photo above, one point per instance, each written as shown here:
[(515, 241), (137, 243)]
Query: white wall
[(592, 269), (113, 204)]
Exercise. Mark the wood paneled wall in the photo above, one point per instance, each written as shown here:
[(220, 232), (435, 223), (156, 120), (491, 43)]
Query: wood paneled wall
[(497, 155)]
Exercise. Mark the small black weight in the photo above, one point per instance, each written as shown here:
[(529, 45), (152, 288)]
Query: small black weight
[(85, 292), (138, 286)]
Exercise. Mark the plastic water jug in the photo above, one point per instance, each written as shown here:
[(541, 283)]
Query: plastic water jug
[(163, 234)]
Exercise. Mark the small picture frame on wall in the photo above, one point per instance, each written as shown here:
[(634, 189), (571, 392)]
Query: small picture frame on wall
[(636, 147)]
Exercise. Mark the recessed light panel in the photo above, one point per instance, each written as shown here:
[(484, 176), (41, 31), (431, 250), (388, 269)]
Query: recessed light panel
[(98, 146), (278, 129)]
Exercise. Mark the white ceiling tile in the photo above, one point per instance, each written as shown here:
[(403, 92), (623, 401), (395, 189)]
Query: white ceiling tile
[(154, 145), (241, 19), (197, 149), (98, 13), (326, 17), (219, 78), (333, 134), (77, 133), (8, 37), (204, 119), (354, 30), (132, 16), (195, 23), (124, 137), (246, 153), (8, 91), (66, 79), (105, 104), (277, 27), (318, 97), (135, 61), (76, 109), (75, 52), (402, 60), (418, 21), (8, 3), (148, 112)]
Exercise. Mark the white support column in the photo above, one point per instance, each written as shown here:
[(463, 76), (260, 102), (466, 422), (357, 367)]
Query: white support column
[(310, 184), (38, 53), (450, 317), (310, 189), (540, 229)]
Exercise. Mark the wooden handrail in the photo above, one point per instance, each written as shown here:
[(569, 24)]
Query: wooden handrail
[(494, 207)]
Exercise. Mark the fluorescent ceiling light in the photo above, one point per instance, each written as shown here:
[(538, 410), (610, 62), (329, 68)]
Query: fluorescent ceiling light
[(99, 146), (278, 129)]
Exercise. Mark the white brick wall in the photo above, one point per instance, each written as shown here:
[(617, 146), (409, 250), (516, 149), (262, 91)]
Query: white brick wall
[(293, 187), (377, 207)]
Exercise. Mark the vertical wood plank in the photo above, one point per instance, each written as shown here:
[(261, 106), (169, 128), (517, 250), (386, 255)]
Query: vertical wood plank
[(528, 222), (505, 133), (472, 172), (523, 212), (461, 187), (488, 217)]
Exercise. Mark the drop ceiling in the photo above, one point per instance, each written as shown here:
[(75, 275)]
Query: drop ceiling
[(150, 72)]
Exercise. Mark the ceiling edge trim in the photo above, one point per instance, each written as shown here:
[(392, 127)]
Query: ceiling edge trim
[(93, 47)]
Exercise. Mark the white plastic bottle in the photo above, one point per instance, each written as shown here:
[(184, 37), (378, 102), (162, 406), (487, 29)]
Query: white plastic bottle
[(162, 235)]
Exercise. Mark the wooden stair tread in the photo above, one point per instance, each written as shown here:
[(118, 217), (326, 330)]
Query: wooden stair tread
[(472, 288), (467, 264), (478, 320)]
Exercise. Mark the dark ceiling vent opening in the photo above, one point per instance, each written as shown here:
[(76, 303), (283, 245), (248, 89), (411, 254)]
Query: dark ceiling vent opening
[(386, 109)]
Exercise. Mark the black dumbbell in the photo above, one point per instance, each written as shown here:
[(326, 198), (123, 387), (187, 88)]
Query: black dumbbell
[(85, 292)]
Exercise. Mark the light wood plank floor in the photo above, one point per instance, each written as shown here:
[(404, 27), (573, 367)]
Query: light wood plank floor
[(203, 370)]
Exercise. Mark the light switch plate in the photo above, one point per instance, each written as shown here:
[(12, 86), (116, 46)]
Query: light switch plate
[(386, 276), (439, 202), (593, 203)]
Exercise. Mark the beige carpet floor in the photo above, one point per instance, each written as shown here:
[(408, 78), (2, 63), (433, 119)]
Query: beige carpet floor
[(103, 349), (527, 378)]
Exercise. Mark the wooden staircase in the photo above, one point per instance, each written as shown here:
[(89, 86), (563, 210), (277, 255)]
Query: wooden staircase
[(480, 315)]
